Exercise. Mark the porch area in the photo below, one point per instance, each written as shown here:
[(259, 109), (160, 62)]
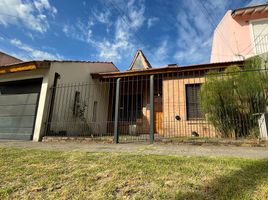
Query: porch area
[(121, 109), (146, 108)]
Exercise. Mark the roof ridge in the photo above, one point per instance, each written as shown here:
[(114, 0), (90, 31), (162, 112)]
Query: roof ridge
[(82, 61)]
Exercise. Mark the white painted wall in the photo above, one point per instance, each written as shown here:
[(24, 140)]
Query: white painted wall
[(71, 72), (79, 74)]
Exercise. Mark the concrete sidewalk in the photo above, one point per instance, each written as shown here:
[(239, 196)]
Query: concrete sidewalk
[(139, 148)]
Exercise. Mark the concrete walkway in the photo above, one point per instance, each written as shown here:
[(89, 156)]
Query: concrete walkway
[(160, 149)]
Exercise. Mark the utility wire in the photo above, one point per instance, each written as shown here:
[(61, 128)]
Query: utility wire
[(213, 24), (253, 43), (124, 16)]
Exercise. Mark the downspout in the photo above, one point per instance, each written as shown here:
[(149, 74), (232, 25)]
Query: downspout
[(52, 100)]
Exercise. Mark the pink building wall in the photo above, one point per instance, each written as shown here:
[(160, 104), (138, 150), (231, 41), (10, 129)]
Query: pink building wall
[(232, 39)]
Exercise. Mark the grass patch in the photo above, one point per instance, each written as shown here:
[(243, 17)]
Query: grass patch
[(36, 174)]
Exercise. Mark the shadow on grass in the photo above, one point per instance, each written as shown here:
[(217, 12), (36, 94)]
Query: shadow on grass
[(240, 184)]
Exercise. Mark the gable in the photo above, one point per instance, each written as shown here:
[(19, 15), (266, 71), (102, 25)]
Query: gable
[(139, 62)]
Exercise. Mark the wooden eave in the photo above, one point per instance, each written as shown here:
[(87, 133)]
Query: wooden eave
[(165, 70), (249, 10)]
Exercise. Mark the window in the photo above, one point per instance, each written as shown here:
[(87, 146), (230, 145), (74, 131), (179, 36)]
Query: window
[(260, 37), (193, 101), (76, 103), (95, 107)]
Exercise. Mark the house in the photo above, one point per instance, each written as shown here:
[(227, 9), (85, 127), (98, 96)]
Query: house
[(7, 59), (27, 92), (242, 33), (144, 103)]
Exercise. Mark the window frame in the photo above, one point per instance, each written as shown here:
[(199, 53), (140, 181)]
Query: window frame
[(200, 114), (94, 111), (251, 22)]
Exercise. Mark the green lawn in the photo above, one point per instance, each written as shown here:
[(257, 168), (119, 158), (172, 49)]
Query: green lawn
[(32, 174)]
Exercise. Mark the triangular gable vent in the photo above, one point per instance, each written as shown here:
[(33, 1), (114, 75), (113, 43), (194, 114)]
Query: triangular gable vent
[(139, 62)]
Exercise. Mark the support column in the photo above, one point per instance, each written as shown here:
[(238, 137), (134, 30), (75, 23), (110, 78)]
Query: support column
[(40, 110), (117, 96), (152, 109)]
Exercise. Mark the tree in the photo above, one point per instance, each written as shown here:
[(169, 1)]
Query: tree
[(233, 100)]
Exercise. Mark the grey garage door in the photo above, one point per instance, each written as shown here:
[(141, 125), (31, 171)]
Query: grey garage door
[(17, 116)]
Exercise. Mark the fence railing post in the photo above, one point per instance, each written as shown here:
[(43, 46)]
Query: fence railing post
[(117, 95), (152, 109), (51, 103)]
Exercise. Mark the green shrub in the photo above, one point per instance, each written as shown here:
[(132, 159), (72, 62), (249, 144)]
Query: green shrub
[(232, 100)]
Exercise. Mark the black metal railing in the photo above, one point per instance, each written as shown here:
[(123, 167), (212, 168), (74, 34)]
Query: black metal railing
[(183, 104)]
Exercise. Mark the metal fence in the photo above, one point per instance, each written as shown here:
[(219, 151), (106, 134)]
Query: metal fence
[(181, 104)]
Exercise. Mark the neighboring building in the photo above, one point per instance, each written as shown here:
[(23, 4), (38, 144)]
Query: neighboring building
[(242, 33), (27, 91), (7, 59)]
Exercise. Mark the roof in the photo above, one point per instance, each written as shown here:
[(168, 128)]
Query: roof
[(168, 69), (50, 61), (144, 61), (79, 61), (250, 10), (37, 64), (7, 59)]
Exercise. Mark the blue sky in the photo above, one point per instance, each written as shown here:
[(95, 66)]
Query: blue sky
[(168, 31)]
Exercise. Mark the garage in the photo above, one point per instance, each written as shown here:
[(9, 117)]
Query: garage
[(18, 106)]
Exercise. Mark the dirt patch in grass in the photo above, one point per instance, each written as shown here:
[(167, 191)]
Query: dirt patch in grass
[(214, 141), (36, 174)]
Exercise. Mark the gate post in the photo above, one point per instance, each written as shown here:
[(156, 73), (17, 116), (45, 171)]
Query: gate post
[(152, 109), (117, 96)]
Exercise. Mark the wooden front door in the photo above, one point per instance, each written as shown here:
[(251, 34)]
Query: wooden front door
[(158, 114)]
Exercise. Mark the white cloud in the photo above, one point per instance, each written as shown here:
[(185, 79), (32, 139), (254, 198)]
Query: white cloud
[(152, 21), (195, 30), (121, 41), (31, 53), (125, 28), (44, 5), (79, 31), (161, 54), (102, 17), (33, 15), (256, 2)]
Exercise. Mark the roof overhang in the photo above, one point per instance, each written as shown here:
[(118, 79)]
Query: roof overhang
[(165, 70), (23, 66), (249, 11)]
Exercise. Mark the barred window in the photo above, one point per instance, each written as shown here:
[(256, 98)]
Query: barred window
[(130, 107), (95, 108), (193, 107)]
